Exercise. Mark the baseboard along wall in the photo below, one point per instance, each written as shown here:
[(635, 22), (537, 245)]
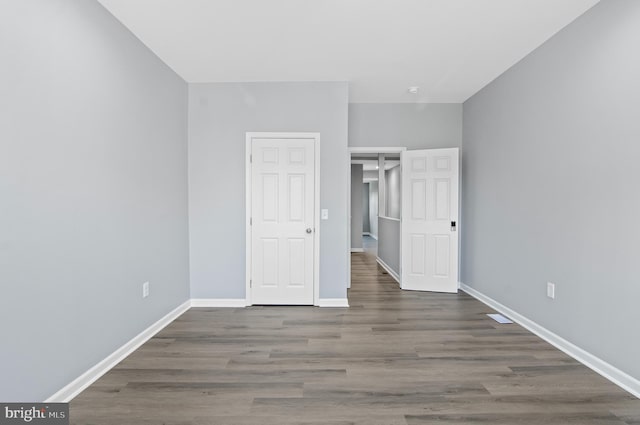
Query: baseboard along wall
[(389, 270), (610, 372), (75, 387)]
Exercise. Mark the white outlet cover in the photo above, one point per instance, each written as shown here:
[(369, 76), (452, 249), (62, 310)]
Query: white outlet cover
[(551, 290), (324, 214)]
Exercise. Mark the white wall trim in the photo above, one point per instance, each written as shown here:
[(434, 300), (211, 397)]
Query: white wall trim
[(613, 374), (366, 234), (388, 269), (349, 219), (389, 218), (218, 302), (75, 387), (247, 233), (333, 302), (388, 149), (69, 391), (357, 249), (373, 236), (316, 221)]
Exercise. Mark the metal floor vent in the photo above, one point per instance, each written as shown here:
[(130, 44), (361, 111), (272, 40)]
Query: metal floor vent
[(499, 318)]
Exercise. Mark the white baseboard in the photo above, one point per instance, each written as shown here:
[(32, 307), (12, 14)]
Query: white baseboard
[(389, 270), (357, 249), (366, 234), (218, 302), (373, 236), (69, 391), (333, 302), (75, 387), (613, 374)]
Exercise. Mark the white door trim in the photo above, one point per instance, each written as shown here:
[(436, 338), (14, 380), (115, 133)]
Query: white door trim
[(377, 150), (316, 215)]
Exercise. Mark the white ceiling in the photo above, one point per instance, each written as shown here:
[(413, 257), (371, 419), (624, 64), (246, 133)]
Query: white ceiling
[(449, 48)]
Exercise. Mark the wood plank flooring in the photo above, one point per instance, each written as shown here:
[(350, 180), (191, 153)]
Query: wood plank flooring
[(392, 358)]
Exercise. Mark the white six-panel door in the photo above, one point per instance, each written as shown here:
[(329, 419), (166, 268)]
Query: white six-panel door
[(429, 252), (282, 220)]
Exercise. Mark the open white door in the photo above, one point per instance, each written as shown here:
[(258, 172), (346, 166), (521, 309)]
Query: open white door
[(282, 220), (429, 254)]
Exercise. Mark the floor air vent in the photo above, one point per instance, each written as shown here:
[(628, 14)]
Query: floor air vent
[(499, 318)]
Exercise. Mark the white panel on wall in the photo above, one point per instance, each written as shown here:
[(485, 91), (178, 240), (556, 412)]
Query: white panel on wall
[(373, 208)]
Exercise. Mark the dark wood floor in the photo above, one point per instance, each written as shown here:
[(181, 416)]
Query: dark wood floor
[(392, 358)]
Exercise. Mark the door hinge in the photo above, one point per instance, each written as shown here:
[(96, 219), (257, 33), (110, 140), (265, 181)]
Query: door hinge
[(250, 221), (250, 283), (250, 158)]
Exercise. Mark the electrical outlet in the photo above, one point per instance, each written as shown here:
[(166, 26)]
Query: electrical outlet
[(551, 290), (145, 290)]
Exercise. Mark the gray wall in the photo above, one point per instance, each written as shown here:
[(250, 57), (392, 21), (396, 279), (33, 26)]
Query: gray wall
[(393, 191), (356, 205), (366, 226), (389, 242), (373, 208), (219, 117), (412, 125), (93, 189), (370, 174), (550, 185)]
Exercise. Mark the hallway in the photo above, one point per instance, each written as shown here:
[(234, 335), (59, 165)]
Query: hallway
[(370, 244), (393, 358)]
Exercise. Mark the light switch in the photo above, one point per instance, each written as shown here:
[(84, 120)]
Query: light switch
[(324, 214)]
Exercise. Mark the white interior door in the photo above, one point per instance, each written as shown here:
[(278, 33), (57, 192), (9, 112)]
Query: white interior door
[(429, 253), (282, 220)]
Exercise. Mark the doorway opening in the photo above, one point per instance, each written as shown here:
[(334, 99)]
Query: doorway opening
[(375, 207), (410, 202)]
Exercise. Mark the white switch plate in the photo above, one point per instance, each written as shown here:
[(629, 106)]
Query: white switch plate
[(551, 290), (324, 214), (145, 290)]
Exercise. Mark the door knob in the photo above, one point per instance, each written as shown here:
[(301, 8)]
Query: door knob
[(309, 230)]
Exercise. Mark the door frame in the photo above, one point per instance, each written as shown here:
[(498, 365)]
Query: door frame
[(316, 204), (356, 150)]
